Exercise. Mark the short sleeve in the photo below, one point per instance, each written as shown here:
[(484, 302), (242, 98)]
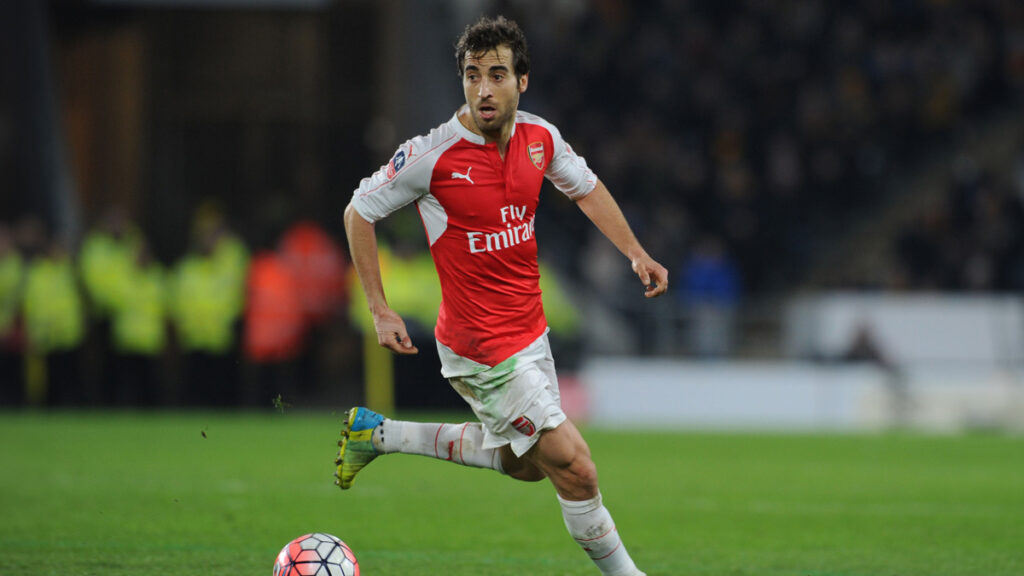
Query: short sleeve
[(403, 180), (567, 170)]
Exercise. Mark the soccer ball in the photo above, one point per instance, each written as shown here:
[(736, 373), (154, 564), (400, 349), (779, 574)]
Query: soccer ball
[(316, 554)]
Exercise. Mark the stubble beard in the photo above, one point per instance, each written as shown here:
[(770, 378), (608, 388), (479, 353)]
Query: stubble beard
[(494, 127)]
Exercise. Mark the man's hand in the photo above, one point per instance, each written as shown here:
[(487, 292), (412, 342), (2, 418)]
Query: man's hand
[(605, 213), (391, 332), (653, 275)]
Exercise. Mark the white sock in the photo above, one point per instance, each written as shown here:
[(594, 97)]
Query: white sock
[(590, 524), (459, 443)]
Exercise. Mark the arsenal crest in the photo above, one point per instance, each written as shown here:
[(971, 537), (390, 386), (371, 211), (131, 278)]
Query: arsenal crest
[(525, 426), (536, 151)]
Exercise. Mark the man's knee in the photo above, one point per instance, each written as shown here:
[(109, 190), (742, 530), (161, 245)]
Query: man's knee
[(584, 472), (567, 462), (578, 480)]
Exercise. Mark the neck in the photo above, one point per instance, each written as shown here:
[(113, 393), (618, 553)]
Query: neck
[(498, 137)]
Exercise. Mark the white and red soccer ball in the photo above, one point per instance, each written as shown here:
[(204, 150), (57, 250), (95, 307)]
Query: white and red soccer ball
[(316, 554)]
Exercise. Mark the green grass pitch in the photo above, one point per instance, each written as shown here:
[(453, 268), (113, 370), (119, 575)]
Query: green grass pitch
[(219, 493)]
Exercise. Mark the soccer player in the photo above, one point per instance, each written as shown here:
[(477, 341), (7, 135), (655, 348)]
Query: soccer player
[(476, 181)]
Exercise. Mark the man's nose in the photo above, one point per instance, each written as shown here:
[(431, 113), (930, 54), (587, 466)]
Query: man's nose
[(485, 88)]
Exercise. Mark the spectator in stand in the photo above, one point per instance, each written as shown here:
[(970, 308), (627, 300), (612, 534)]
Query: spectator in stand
[(105, 262), (710, 296), (12, 346), (320, 267), (139, 323), (55, 324), (207, 295), (274, 329), (227, 251)]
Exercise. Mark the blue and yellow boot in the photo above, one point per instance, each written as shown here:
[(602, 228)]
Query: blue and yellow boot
[(356, 445)]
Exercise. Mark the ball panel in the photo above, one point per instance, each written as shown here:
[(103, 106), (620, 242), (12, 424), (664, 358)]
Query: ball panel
[(307, 556), (326, 549)]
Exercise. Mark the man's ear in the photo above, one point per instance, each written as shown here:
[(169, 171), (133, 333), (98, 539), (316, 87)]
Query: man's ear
[(523, 81)]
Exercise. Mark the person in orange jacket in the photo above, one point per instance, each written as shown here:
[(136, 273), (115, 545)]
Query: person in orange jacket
[(320, 266), (274, 327)]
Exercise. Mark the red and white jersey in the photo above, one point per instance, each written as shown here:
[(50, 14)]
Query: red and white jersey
[(478, 211)]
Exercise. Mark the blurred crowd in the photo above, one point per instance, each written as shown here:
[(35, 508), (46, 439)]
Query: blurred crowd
[(763, 124), (109, 324), (971, 239)]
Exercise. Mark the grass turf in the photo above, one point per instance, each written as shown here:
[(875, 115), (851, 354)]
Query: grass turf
[(219, 493)]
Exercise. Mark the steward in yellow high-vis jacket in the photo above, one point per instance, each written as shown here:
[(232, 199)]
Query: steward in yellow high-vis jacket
[(207, 299), (139, 323), (54, 323)]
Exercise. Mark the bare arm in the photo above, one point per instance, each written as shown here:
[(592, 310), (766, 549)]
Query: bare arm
[(362, 242), (605, 213)]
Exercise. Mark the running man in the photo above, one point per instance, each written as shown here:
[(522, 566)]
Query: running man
[(476, 182)]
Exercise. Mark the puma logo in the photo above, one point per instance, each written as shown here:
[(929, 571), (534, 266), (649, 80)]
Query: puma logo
[(456, 176)]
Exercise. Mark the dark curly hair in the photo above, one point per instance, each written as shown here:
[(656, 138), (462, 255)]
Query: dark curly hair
[(489, 33)]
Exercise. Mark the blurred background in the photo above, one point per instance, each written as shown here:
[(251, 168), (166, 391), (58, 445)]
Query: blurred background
[(836, 189)]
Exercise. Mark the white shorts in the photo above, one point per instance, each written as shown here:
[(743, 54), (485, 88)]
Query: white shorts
[(514, 400)]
